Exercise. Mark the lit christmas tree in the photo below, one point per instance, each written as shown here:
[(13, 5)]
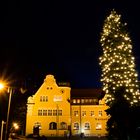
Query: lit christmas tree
[(117, 61)]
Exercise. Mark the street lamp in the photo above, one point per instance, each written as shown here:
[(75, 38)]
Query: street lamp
[(16, 126), (10, 90), (2, 124), (1, 86)]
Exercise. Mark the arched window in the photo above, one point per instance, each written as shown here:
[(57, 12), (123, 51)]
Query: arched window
[(53, 126), (98, 126), (63, 125), (76, 126), (87, 126)]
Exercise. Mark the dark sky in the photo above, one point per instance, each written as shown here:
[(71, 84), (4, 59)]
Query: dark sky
[(60, 38)]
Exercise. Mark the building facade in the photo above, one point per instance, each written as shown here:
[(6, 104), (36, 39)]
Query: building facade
[(56, 110)]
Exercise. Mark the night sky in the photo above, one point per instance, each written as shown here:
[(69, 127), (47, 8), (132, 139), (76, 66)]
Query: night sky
[(60, 38)]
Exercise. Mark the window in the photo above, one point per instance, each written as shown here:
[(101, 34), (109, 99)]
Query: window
[(46, 98), (86, 100), (98, 126), (53, 126), (82, 101), (44, 112), (59, 112), (49, 88), (63, 125), (76, 126), (57, 98), (100, 113), (40, 98), (43, 98), (78, 101), (92, 113), (90, 100), (87, 126), (74, 101), (83, 113), (49, 112), (39, 112), (75, 113), (62, 91), (54, 112)]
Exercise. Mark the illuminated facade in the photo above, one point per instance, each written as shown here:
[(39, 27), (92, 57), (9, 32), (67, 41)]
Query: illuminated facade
[(57, 110)]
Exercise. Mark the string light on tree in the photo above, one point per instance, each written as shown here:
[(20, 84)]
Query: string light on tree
[(117, 61)]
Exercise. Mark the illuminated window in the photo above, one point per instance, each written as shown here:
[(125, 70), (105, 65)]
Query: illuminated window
[(75, 113), (86, 100), (49, 112), (44, 112), (87, 126), (57, 98), (98, 126), (82, 100), (78, 101), (59, 112), (76, 126), (92, 113), (90, 100), (74, 101), (83, 113), (100, 113), (95, 100), (63, 125), (39, 112), (53, 126), (54, 112)]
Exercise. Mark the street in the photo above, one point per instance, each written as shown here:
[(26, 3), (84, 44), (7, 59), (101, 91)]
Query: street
[(64, 138)]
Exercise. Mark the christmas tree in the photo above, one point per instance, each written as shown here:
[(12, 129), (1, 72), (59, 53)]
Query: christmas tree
[(117, 61)]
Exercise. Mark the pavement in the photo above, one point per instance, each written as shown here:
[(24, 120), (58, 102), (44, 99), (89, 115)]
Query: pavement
[(64, 138)]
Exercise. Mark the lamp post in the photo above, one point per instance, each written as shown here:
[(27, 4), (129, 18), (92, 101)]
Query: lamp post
[(2, 123), (7, 121)]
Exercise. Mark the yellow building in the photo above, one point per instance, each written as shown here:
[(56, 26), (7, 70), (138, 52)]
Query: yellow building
[(56, 110)]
